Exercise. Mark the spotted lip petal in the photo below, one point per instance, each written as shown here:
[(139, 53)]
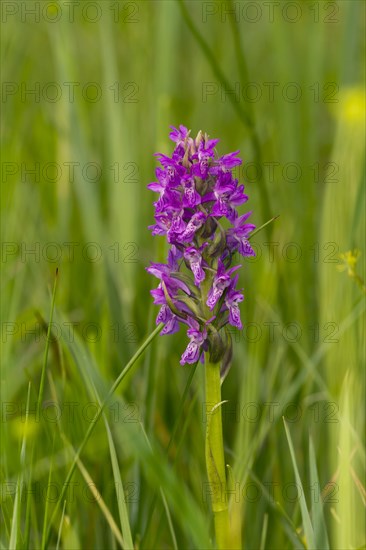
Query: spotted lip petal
[(197, 339), (195, 223), (194, 258)]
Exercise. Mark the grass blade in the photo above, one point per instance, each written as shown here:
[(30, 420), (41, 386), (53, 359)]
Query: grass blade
[(102, 505), (317, 515), (60, 528), (45, 358), (122, 507), (13, 542), (308, 528), (264, 532), (170, 523), (44, 530), (14, 523)]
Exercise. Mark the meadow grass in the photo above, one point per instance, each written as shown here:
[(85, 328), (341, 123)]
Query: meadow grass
[(294, 419)]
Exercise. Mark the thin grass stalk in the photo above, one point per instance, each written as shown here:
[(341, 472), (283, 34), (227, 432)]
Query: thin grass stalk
[(45, 358)]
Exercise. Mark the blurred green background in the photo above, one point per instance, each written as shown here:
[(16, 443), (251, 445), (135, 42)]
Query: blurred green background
[(89, 90)]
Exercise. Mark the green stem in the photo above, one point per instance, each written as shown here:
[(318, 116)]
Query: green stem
[(215, 461)]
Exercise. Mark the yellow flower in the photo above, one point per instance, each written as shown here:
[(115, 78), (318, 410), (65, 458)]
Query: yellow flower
[(25, 428), (352, 105), (349, 259)]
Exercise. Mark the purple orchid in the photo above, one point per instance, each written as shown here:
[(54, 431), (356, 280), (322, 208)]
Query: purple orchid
[(195, 223), (205, 154), (170, 320), (237, 236), (195, 260), (220, 282), (197, 337), (196, 189), (180, 136), (191, 197), (164, 273), (232, 298), (228, 195), (168, 219), (226, 163)]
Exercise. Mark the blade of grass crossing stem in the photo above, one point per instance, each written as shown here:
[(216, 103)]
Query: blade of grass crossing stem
[(122, 507), (308, 529), (317, 514), (92, 425), (41, 385)]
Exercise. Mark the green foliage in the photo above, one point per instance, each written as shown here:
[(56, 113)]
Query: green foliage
[(137, 475)]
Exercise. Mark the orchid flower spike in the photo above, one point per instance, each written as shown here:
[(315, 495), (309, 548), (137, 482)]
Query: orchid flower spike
[(196, 211)]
